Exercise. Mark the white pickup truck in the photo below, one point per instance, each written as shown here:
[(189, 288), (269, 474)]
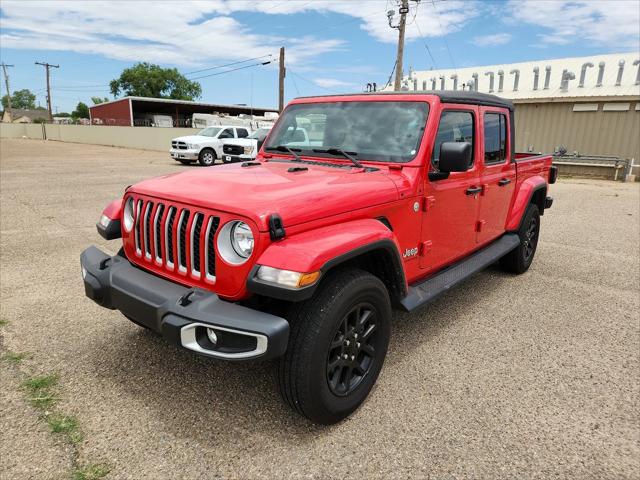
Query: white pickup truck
[(244, 149), (206, 145)]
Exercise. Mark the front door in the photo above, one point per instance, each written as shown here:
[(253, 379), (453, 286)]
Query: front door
[(497, 174), (450, 210)]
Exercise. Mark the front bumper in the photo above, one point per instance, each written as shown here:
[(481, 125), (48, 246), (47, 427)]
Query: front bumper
[(180, 314), (178, 154), (227, 158)]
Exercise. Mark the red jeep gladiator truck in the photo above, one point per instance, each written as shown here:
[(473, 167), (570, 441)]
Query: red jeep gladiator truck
[(355, 205)]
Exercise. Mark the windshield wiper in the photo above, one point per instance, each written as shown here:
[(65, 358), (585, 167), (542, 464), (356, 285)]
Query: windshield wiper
[(338, 151), (284, 148)]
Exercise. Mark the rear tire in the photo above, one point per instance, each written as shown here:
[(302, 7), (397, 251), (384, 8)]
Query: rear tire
[(207, 157), (519, 260), (337, 346)]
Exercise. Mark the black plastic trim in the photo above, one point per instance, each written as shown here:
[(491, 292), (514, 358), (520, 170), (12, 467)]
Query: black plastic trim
[(276, 227), (429, 289), (297, 295), (111, 232), (165, 307), (548, 202), (553, 174)]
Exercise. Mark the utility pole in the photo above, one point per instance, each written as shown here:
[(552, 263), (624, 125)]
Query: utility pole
[(282, 74), (6, 82), (47, 66), (403, 10)]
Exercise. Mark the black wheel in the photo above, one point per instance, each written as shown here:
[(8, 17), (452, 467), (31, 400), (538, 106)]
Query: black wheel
[(338, 343), (520, 259), (207, 157), (185, 162)]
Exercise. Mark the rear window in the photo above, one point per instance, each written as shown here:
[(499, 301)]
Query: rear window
[(495, 138)]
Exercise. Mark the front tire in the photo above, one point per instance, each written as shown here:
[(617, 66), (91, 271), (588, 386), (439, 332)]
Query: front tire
[(207, 157), (185, 162), (519, 260), (337, 346)]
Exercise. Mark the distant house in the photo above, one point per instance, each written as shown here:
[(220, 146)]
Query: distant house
[(20, 115)]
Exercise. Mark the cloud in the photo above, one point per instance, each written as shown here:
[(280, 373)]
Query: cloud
[(172, 32), (331, 83), (491, 40), (608, 23)]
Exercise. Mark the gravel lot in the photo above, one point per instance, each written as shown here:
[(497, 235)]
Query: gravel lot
[(535, 376)]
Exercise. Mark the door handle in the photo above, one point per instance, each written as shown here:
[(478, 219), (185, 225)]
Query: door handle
[(504, 181), (473, 190)]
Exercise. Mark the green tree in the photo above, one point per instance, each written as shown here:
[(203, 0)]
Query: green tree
[(81, 111), (20, 99), (99, 100), (148, 80)]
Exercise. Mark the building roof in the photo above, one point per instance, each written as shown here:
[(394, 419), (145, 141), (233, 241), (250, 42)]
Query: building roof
[(187, 102), (581, 75), (32, 114)]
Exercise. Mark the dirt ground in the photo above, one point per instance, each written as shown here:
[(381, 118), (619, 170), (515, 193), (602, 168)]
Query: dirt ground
[(534, 376)]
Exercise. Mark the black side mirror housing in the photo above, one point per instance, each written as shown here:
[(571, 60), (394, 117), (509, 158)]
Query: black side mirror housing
[(455, 157)]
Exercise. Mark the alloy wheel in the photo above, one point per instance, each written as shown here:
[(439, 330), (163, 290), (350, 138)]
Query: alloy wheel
[(352, 350)]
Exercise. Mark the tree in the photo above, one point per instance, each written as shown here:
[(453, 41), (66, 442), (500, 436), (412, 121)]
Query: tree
[(99, 100), (148, 80), (20, 99), (62, 115), (81, 111)]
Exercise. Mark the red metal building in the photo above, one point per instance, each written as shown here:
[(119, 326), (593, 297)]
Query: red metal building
[(138, 111)]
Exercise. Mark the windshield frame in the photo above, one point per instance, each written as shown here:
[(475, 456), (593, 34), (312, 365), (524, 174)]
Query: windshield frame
[(308, 151)]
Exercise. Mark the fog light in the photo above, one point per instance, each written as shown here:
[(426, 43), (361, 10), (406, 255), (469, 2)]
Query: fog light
[(211, 335)]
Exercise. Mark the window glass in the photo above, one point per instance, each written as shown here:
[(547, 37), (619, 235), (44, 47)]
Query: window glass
[(242, 132), (209, 132), (227, 133), (495, 138), (375, 131), (260, 134), (454, 127)]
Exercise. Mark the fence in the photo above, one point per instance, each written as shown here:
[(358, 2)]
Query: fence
[(145, 138)]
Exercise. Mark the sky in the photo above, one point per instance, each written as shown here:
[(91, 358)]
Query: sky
[(332, 46)]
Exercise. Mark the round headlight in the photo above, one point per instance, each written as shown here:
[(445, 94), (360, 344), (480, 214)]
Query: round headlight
[(235, 242), (242, 239), (127, 217)]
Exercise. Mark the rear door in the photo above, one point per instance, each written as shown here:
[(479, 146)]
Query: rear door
[(497, 175), (450, 209)]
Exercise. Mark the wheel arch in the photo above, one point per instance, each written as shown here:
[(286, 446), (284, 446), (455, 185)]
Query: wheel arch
[(532, 190), (370, 246)]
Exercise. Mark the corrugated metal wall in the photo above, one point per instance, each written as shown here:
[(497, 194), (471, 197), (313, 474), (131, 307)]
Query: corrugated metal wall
[(546, 126)]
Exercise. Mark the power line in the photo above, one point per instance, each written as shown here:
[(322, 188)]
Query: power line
[(444, 38), (229, 64), (424, 42), (231, 70)]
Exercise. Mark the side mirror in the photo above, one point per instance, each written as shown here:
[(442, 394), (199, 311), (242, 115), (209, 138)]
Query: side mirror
[(455, 157)]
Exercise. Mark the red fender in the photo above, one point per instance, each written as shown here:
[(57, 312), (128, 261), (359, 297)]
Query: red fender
[(113, 210), (310, 251), (525, 191)]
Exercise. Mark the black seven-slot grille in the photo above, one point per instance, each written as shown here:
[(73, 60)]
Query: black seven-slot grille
[(172, 237)]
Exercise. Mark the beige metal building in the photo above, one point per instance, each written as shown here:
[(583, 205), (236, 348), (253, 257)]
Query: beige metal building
[(589, 105)]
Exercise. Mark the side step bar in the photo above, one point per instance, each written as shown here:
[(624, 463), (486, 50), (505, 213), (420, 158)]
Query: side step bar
[(424, 292)]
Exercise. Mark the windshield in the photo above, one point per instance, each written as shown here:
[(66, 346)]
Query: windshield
[(209, 132), (260, 134), (376, 131)]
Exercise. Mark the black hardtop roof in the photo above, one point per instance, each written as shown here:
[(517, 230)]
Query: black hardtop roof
[(446, 96)]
